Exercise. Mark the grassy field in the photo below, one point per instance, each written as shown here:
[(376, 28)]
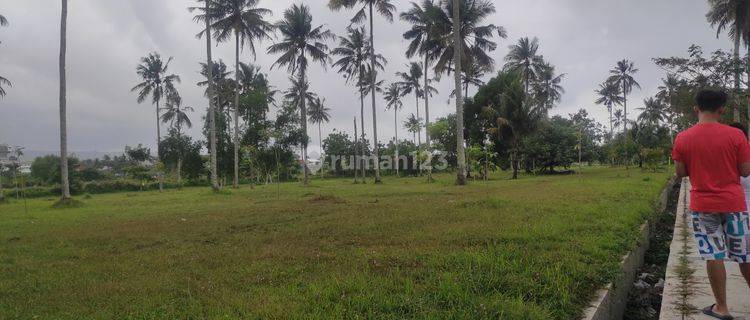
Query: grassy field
[(536, 248)]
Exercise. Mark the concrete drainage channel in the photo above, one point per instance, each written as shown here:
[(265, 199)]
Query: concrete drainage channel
[(636, 293)]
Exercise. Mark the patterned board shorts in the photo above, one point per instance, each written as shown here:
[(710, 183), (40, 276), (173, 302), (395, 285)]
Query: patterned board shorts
[(723, 236)]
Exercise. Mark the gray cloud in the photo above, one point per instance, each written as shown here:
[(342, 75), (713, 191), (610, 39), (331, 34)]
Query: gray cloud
[(583, 38)]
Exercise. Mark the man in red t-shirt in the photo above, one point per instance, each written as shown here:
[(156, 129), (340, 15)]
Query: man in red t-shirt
[(714, 156)]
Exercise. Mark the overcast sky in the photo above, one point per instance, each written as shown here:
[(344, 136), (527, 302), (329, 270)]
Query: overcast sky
[(583, 38)]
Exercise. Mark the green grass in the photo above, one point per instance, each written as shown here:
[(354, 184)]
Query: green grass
[(536, 248)]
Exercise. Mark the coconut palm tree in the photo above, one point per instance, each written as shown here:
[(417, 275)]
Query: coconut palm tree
[(547, 88), (609, 96), (514, 118), (176, 115), (300, 42), (413, 125), (354, 64), (523, 57), (393, 97), (653, 112), (618, 118), (734, 16), (246, 22), (156, 83), (319, 114), (622, 75), (206, 18), (411, 83), (424, 36), (385, 9)]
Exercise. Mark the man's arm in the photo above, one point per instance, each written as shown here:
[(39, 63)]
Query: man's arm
[(681, 170), (745, 169)]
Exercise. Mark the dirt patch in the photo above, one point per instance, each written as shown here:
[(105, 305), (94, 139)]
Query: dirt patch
[(325, 198)]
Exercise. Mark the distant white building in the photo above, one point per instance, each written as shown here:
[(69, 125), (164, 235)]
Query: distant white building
[(10, 156)]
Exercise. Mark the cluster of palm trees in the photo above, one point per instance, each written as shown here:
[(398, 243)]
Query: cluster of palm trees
[(614, 92), (448, 35)]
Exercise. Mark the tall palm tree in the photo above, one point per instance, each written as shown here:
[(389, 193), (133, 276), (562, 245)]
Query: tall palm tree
[(244, 20), (319, 114), (64, 183), (393, 97), (458, 50), (385, 9), (548, 89), (176, 116), (301, 41), (622, 75), (156, 83), (354, 64), (411, 83), (609, 96), (523, 57), (733, 15), (206, 18), (413, 125), (424, 36)]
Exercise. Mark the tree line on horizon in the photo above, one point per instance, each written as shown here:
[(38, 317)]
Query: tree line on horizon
[(506, 124)]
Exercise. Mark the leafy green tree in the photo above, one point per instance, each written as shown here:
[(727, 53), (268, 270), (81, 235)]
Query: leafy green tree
[(244, 20), (300, 42), (183, 154), (339, 144), (46, 169), (553, 144), (179, 143), (385, 9), (443, 132), (156, 83)]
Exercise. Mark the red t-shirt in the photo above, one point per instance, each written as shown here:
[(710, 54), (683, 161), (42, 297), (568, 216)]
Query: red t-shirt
[(712, 153)]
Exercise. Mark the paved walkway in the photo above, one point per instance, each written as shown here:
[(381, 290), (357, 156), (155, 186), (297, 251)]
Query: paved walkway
[(687, 290)]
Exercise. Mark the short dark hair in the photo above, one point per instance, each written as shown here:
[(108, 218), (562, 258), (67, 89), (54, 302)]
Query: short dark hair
[(711, 100), (740, 126)]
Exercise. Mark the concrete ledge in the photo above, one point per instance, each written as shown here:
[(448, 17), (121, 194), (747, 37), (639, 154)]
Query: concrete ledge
[(609, 303)]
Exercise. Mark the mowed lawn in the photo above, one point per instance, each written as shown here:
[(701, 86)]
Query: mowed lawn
[(536, 248)]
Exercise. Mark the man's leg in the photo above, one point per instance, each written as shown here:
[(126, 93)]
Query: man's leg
[(745, 269), (717, 276)]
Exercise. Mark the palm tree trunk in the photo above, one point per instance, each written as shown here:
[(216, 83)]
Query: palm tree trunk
[(736, 109), (303, 112), (159, 174), (362, 132), (427, 114), (374, 111), (65, 184), (236, 180), (426, 102), (611, 124), (179, 172), (211, 104), (356, 145), (514, 162), (395, 140), (461, 157), (419, 129)]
